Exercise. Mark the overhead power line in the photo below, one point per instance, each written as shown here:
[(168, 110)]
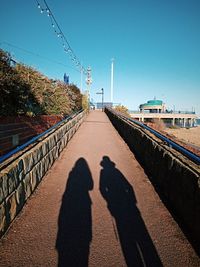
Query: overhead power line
[(36, 55), (45, 9)]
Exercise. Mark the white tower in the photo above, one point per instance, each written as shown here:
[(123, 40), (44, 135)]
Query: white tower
[(111, 84), (88, 82)]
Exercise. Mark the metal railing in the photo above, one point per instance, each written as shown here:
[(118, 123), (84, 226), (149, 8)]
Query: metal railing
[(162, 112), (193, 157), (35, 139)]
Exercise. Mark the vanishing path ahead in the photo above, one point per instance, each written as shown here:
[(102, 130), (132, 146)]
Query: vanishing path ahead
[(96, 207)]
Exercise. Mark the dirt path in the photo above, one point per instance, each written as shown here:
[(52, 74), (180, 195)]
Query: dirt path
[(96, 208), (191, 135)]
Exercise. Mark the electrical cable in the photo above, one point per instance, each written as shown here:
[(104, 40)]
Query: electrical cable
[(37, 55), (66, 46)]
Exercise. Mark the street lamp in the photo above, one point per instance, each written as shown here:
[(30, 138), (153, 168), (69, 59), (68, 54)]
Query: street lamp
[(101, 93)]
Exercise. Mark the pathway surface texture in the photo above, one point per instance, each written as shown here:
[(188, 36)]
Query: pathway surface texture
[(96, 207)]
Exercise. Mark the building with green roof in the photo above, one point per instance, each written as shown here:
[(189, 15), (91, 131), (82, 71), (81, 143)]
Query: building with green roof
[(153, 106)]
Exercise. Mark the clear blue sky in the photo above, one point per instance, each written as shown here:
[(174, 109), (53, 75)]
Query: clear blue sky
[(155, 43)]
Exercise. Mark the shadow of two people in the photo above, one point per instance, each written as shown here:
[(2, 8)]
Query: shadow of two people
[(75, 218)]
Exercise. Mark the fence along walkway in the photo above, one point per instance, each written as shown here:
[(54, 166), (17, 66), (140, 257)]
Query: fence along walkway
[(96, 207)]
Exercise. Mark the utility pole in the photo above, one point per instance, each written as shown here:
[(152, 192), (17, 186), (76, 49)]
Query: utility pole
[(102, 99), (111, 83), (102, 92), (88, 82), (81, 79)]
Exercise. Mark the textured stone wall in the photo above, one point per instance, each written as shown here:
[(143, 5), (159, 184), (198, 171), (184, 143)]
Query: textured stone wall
[(19, 179), (177, 178), (15, 131)]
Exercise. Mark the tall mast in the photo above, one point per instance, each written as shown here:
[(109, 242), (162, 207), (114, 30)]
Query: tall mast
[(112, 76)]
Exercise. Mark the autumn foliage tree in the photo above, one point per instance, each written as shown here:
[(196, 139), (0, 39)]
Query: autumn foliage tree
[(24, 90), (122, 109), (15, 93)]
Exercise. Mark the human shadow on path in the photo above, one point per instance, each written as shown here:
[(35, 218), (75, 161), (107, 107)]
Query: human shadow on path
[(137, 246), (75, 219)]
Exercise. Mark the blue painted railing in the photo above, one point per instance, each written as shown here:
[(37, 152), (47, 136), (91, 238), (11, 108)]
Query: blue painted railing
[(36, 138), (169, 142)]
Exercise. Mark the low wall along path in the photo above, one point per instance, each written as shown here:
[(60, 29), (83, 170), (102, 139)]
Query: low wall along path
[(95, 206), (176, 176), (20, 178)]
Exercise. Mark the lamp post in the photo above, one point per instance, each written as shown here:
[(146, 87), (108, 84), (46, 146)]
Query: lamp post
[(101, 93)]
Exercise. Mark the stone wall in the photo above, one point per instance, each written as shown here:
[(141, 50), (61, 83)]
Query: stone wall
[(20, 177), (15, 131), (175, 176)]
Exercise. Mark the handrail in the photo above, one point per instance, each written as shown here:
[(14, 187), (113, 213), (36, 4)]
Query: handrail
[(35, 138), (171, 143)]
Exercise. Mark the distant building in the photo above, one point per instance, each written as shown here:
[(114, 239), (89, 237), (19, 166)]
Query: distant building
[(105, 104), (92, 104), (153, 106), (66, 79), (156, 110)]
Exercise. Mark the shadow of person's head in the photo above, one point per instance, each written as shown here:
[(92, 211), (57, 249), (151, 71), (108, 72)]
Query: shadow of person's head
[(80, 176), (114, 186), (107, 163)]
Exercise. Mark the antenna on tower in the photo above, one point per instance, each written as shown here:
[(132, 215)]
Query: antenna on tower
[(112, 76)]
